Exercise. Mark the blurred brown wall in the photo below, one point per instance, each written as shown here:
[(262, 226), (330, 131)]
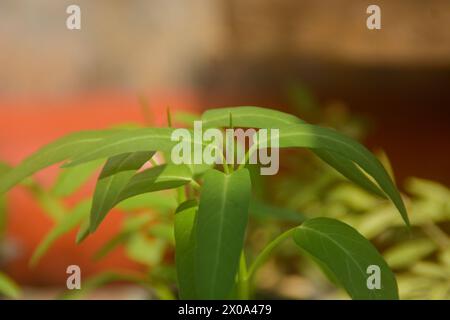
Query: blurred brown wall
[(160, 43)]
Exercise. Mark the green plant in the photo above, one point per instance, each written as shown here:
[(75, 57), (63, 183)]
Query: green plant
[(8, 287), (211, 217), (418, 256)]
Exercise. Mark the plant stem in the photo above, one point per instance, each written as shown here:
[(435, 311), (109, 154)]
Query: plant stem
[(243, 280), (264, 255), (195, 185), (181, 194), (248, 154), (231, 141), (225, 168), (169, 117)]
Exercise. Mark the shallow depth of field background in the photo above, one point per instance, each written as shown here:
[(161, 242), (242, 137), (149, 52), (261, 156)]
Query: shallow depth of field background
[(292, 55)]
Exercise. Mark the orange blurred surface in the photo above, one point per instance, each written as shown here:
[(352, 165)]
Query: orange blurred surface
[(27, 125)]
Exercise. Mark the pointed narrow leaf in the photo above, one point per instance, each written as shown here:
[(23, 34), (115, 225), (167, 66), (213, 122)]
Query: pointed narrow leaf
[(248, 116), (70, 179), (114, 189), (162, 201), (8, 287), (315, 137), (131, 161), (157, 139), (346, 255), (349, 170), (60, 150), (52, 206), (219, 236), (256, 117), (115, 175), (184, 248), (66, 224), (83, 231), (167, 176)]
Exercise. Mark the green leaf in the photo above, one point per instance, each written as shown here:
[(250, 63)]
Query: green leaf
[(220, 229), (71, 179), (349, 170), (52, 206), (83, 231), (185, 118), (130, 161), (162, 201), (248, 117), (115, 175), (346, 255), (156, 139), (184, 248), (167, 176), (65, 225), (256, 117), (3, 216), (8, 287), (60, 150), (314, 137)]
